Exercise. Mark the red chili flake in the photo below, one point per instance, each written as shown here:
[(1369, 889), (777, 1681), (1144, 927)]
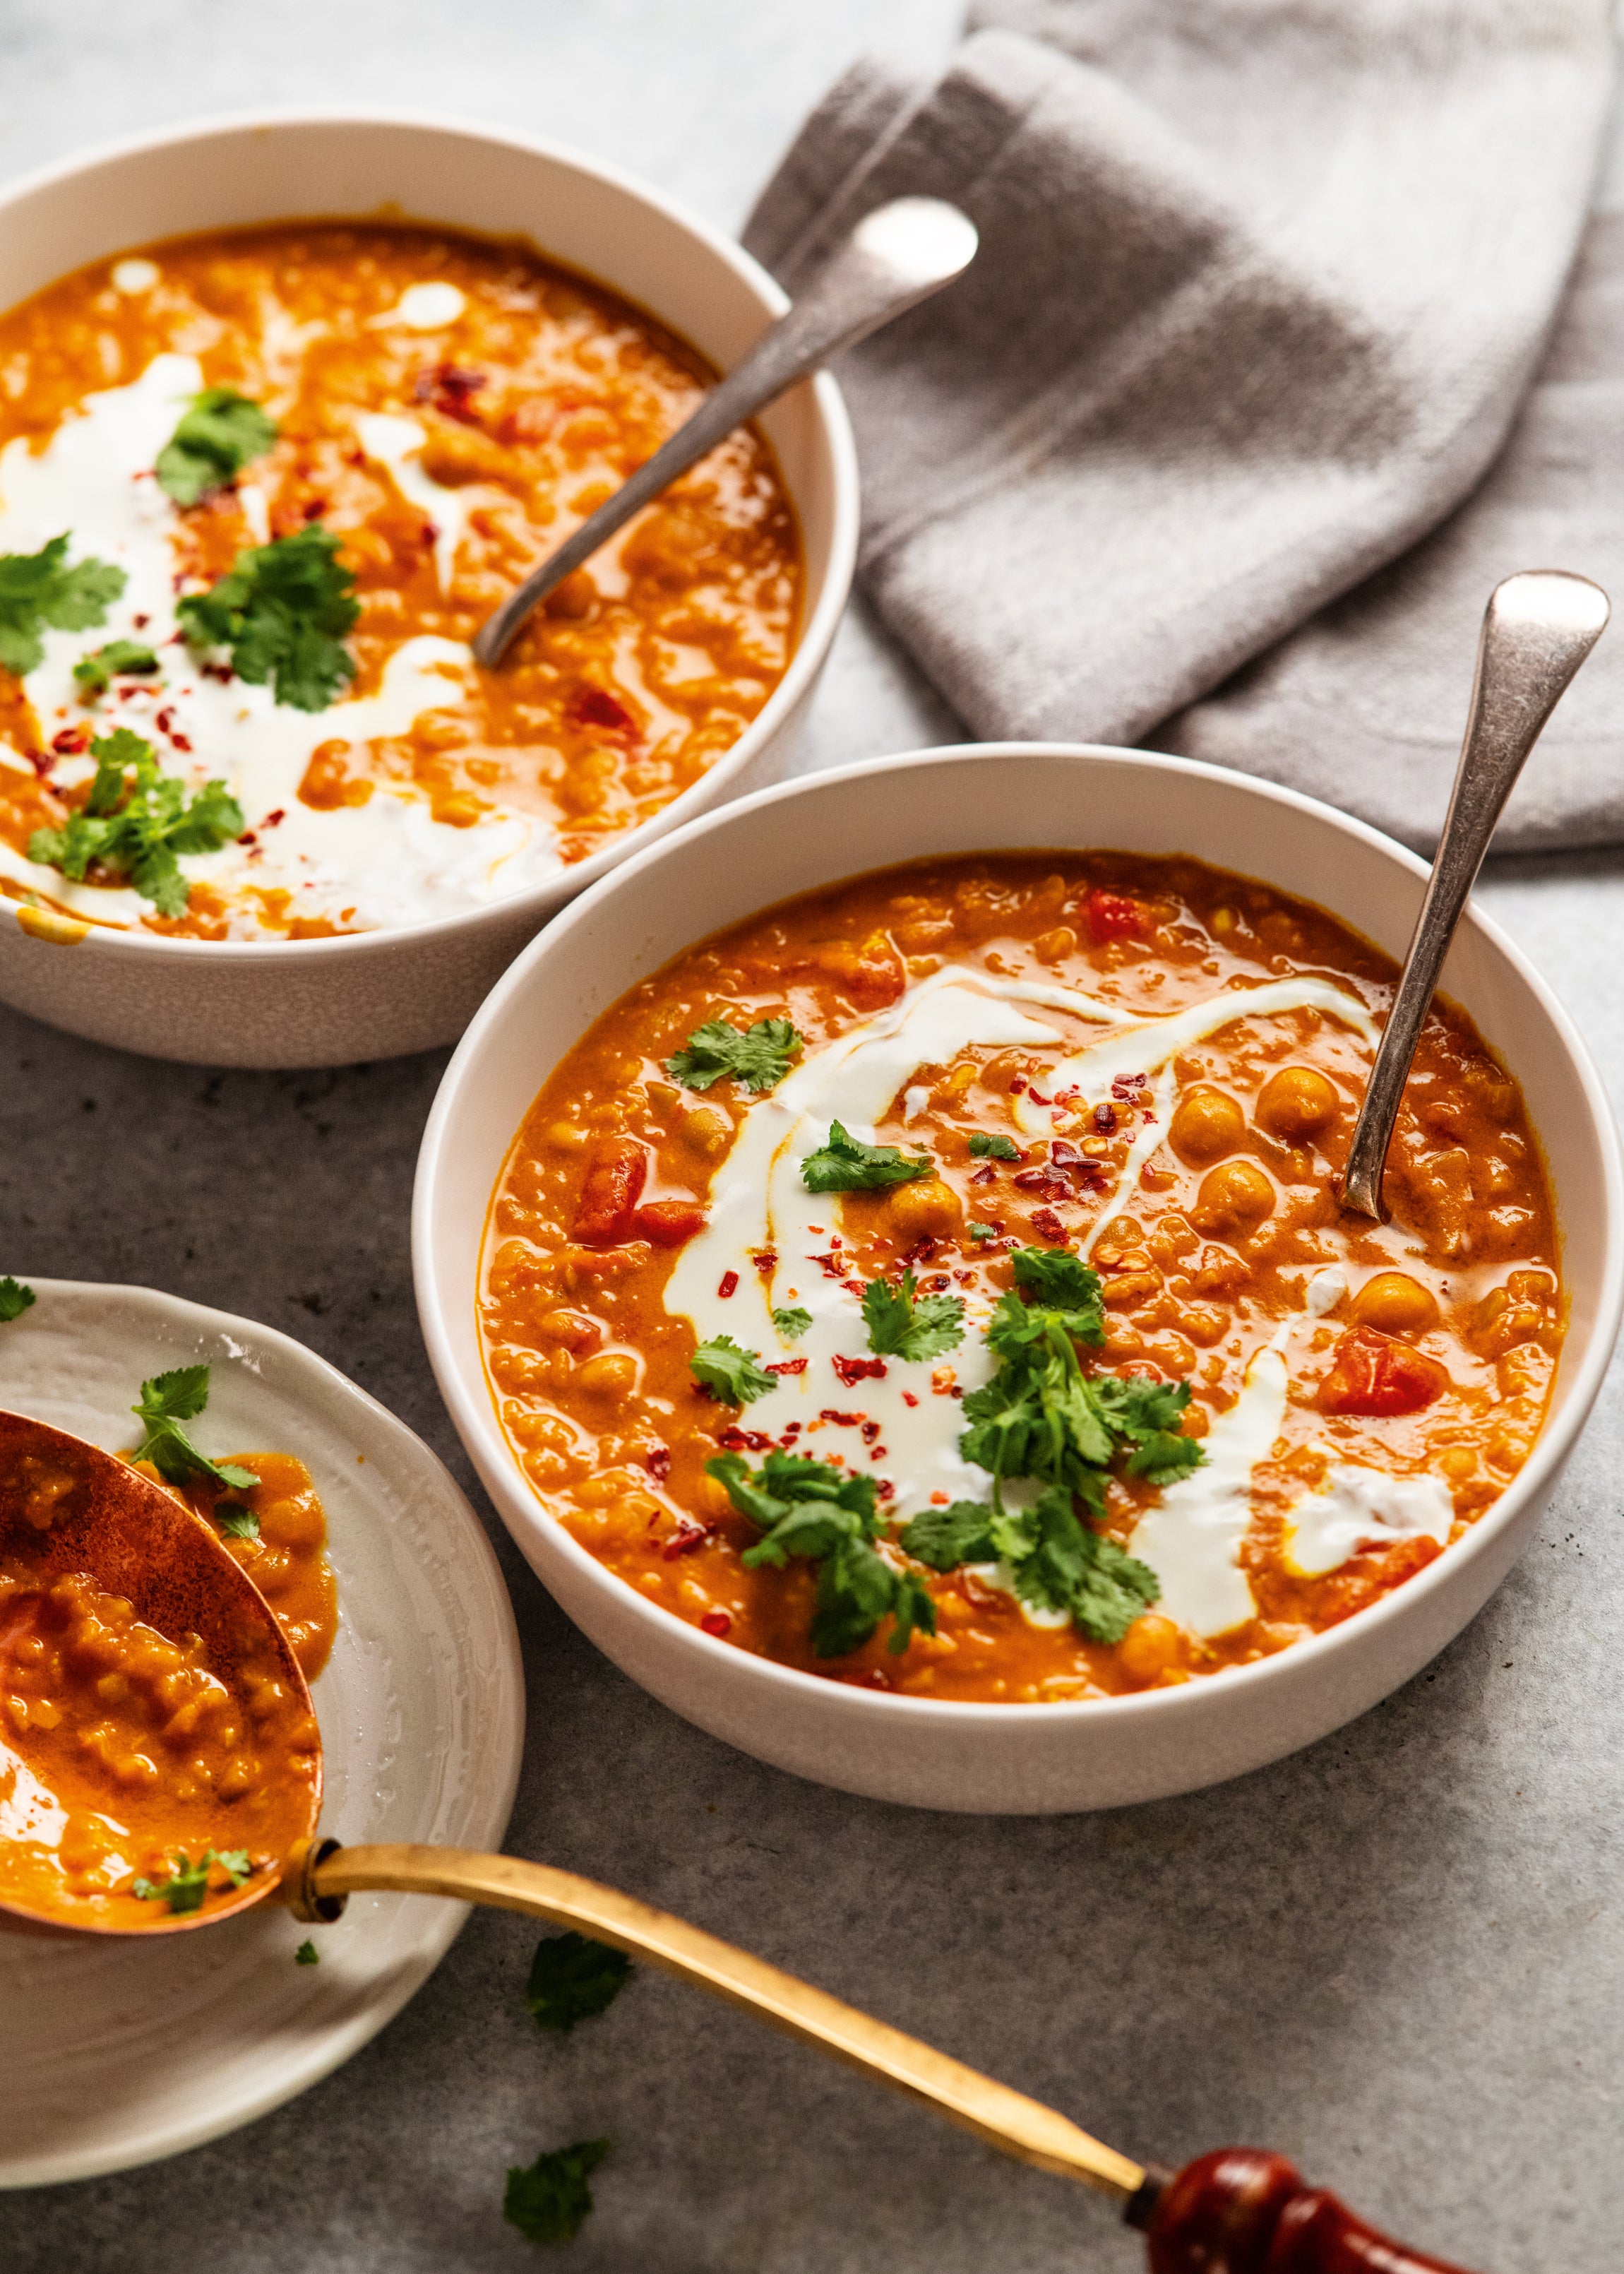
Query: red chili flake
[(248, 838), (921, 1251), (956, 1390), (985, 1175), (450, 390), (429, 534), (1046, 1221), (883, 1489), (1042, 1181), (844, 1420), (222, 672), (1104, 1120), (1126, 1086), (71, 741), (833, 1265), (963, 1279), (1150, 1118), (908, 1397), (788, 1366), (870, 1431), (656, 1460), (792, 1430), (594, 706), (164, 720), (729, 1284), (860, 1369), (937, 1284), (271, 819), (715, 1622), (1016, 1086), (142, 623), (180, 742), (878, 1453), (740, 1440), (1039, 1099), (765, 1259), (686, 1537), (314, 507), (1063, 1097), (1063, 1155)]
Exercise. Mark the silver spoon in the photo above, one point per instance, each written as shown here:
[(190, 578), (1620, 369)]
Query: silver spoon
[(896, 257), (1537, 629)]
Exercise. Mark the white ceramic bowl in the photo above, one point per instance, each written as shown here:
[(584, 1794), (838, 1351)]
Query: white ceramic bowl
[(987, 1758), (377, 994)]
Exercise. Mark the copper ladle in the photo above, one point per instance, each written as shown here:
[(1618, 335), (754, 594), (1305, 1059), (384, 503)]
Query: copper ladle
[(1238, 2210)]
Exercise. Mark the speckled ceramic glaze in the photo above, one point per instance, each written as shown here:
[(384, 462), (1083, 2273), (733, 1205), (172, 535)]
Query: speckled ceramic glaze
[(329, 1002), (117, 2052), (992, 796)]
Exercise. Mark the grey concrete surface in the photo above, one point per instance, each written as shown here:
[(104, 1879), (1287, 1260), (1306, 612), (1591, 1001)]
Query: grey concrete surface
[(1397, 1956)]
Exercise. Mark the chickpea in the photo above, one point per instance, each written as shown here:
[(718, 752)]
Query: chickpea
[(1234, 1197), (930, 1210), (1151, 1646), (1394, 1304), (1206, 1124), (707, 1130), (574, 1331), (612, 1374), (1295, 1103)]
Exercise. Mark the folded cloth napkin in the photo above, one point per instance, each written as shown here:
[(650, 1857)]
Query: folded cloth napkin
[(1263, 286)]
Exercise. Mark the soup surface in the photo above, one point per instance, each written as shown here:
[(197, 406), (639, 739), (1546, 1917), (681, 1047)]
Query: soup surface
[(371, 433), (936, 1283), (138, 1779)]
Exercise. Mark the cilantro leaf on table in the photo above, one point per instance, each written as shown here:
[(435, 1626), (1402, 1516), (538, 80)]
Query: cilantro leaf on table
[(844, 1166), (219, 433), (307, 1954), (792, 1322), (946, 1537), (283, 610), (15, 1299), (900, 1327), (757, 1057), (118, 658), (37, 589), (811, 1509), (188, 1882), (733, 1376), (135, 821), (167, 1400), (571, 1978), (549, 2201), (985, 1146)]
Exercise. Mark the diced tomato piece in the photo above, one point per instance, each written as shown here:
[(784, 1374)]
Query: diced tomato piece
[(1112, 915), (669, 1222), (1372, 1374), (594, 706), (615, 1177)]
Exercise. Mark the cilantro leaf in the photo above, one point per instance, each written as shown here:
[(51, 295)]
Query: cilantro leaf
[(572, 1978), (810, 1508), (219, 433), (283, 610), (986, 1146), (899, 1327), (37, 589), (137, 827), (1148, 1414), (844, 1166), (759, 1056), (307, 1954), (233, 1522), (14, 1299), (981, 1230), (188, 1882), (549, 2201), (1059, 1278), (733, 1376), (120, 657), (945, 1537), (166, 1401), (793, 1322), (1063, 1565)]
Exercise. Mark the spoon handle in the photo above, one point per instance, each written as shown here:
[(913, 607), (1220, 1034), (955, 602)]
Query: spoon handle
[(896, 257), (1242, 2211), (1537, 629)]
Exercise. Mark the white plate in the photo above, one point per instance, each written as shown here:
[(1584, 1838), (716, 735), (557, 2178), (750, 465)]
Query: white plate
[(113, 2052)]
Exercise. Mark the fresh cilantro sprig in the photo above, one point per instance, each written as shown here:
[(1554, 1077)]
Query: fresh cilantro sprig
[(1058, 1563), (986, 1146), (571, 1980), (756, 1057), (15, 1299), (37, 589), (118, 658), (733, 1376), (135, 821), (901, 1326), (811, 1509), (188, 1882), (283, 610), (219, 433), (167, 1400), (792, 1322), (549, 2201), (845, 1165)]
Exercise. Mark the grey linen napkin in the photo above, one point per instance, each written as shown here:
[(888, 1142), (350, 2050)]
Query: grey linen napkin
[(1264, 284)]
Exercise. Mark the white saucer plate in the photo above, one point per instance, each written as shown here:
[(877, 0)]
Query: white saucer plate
[(117, 2052)]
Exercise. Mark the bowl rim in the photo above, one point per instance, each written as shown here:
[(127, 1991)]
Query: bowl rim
[(818, 626), (477, 1424)]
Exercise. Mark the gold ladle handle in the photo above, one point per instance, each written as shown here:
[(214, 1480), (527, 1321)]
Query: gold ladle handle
[(319, 1877)]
